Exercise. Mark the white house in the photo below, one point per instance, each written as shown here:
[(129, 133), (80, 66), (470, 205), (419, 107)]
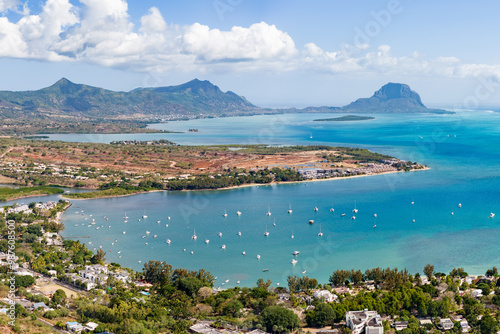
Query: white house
[(477, 293), (122, 276), (74, 326), (90, 326), (446, 323), (358, 321), (326, 295), (465, 326)]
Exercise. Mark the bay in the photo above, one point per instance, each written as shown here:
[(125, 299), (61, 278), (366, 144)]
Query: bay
[(462, 150)]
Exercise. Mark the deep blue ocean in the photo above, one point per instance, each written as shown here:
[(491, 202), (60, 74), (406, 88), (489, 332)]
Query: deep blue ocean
[(462, 150)]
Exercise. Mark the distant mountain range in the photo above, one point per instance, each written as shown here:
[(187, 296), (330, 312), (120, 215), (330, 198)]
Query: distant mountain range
[(65, 98), (193, 99)]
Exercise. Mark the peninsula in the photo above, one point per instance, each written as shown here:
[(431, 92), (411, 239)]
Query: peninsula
[(347, 118), (129, 167)]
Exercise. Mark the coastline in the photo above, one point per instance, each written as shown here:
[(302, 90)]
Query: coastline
[(250, 185), (8, 199), (111, 196), (308, 180)]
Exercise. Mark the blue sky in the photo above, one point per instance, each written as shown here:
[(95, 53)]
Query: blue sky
[(275, 53)]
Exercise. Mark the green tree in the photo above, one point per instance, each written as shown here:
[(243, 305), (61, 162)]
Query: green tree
[(59, 296), (339, 277), (488, 325), (232, 308), (262, 284), (190, 285), (321, 316), (492, 272), (24, 281), (428, 271), (99, 256), (276, 316), (156, 272), (356, 276)]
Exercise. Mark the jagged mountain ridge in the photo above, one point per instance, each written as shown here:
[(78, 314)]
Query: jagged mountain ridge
[(65, 97)]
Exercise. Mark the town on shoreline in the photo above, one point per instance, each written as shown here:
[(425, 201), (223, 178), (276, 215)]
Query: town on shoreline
[(60, 285)]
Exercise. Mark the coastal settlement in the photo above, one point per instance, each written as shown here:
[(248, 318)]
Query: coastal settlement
[(61, 286)]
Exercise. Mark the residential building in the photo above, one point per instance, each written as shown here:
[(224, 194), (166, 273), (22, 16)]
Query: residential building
[(465, 326), (358, 321), (477, 293), (446, 324), (91, 326), (326, 295), (400, 325), (425, 321), (74, 326)]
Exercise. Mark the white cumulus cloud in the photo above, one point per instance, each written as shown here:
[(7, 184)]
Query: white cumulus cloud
[(6, 5), (259, 41), (101, 32)]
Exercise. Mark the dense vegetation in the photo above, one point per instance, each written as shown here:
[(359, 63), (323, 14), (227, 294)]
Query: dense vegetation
[(7, 193)]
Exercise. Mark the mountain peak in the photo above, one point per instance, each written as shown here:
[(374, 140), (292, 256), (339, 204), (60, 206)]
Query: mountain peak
[(390, 98), (393, 90), (64, 86)]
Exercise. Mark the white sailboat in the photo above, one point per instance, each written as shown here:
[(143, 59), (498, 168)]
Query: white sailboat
[(289, 208), (320, 234), (223, 246), (355, 210), (144, 215), (207, 241), (296, 253), (332, 209), (492, 215), (268, 211), (194, 237), (292, 235), (258, 257), (266, 233), (316, 207), (225, 214), (168, 241), (294, 261), (238, 213), (220, 234)]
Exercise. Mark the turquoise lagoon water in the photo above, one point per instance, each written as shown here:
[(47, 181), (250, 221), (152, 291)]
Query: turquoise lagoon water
[(463, 151)]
